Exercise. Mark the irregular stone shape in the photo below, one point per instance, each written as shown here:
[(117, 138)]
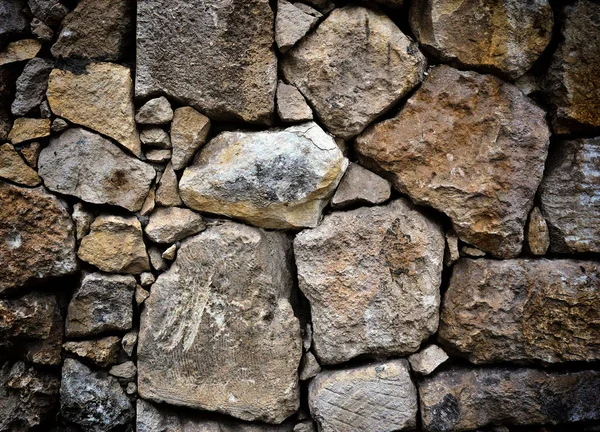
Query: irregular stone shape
[(273, 179), (149, 203), (37, 238), (306, 426), (538, 236), (466, 399), (83, 219), (292, 24), (28, 397), (471, 146), (170, 252), (103, 303), (13, 168), (167, 194), (27, 129), (471, 252), (309, 367), (427, 360), (31, 152), (155, 137), (218, 332), (570, 196), (31, 327), (86, 165), (360, 186), (378, 297), (188, 133), (58, 125), (158, 263), (147, 279), (102, 352), (452, 254), (523, 310), (51, 12), (511, 34), (356, 66), (20, 51), (129, 342), (291, 106), (158, 155), (44, 33), (99, 98), (378, 397), (156, 111), (31, 86), (93, 400), (217, 57), (13, 21), (171, 224), (115, 245), (125, 370), (572, 81), (96, 30)]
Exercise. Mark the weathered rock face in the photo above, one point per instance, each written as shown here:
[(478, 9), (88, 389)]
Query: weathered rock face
[(379, 296), (570, 196), (538, 236), (102, 351), (20, 50), (31, 86), (354, 67), (511, 35), (427, 360), (99, 98), (572, 82), (292, 24), (171, 224), (291, 106), (463, 399), (215, 56), (360, 186), (233, 344), (188, 133), (470, 146), (13, 21), (156, 111), (13, 168), (272, 179), (27, 129), (523, 310), (90, 167), (50, 11), (378, 397), (37, 237), (167, 193)]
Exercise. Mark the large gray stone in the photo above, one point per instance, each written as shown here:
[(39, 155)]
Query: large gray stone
[(13, 21), (31, 86)]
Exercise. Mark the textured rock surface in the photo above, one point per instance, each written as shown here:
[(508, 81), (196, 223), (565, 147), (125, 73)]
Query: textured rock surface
[(14, 168), (155, 137), (470, 146), (156, 111), (31, 86), (232, 344), (291, 106), (19, 51), (271, 179), (13, 21), (570, 196), (83, 219), (102, 352), (378, 297), (309, 366), (354, 67), (167, 193), (27, 129), (99, 98), (463, 399), (188, 133), (510, 34), (171, 224), (50, 11), (538, 236), (523, 310), (90, 167), (125, 370), (360, 186), (428, 359), (292, 24), (37, 237), (378, 397), (221, 62)]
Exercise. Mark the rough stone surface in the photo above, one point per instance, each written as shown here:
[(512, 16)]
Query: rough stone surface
[(125, 370), (538, 236), (570, 196), (51, 12), (167, 194), (232, 344), (292, 24), (31, 152), (14, 168), (97, 30), (188, 133), (360, 186), (103, 303), (171, 224), (427, 360), (44, 33), (31, 86), (471, 146), (156, 111), (86, 165), (37, 238), (83, 219), (510, 34), (158, 156), (170, 252), (93, 400), (463, 399), (572, 84), (27, 129), (129, 342), (523, 311), (291, 105), (13, 21), (452, 254), (354, 67), (19, 51), (115, 245), (99, 98), (309, 366), (378, 397), (59, 125), (221, 62), (272, 179), (102, 352), (158, 263), (155, 137), (381, 295)]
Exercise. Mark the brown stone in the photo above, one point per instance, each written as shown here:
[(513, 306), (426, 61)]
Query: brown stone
[(360, 186), (538, 237), (31, 153), (102, 352), (291, 105), (171, 224), (189, 131), (27, 129), (20, 51), (167, 194), (13, 168)]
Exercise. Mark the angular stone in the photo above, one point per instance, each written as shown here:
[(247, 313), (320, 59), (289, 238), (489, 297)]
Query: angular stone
[(103, 303), (188, 133), (292, 24), (51, 12), (31, 86), (471, 146), (125, 370), (570, 196), (360, 186), (538, 236), (115, 245), (100, 98), (305, 426), (86, 165), (31, 153), (27, 129), (96, 30), (452, 254), (102, 352), (44, 33), (20, 51), (156, 111), (59, 125), (273, 179), (309, 367), (13, 21), (471, 252), (155, 137), (158, 263), (572, 81), (378, 397), (232, 344), (37, 238), (149, 202), (510, 34), (291, 106), (167, 194), (171, 224), (93, 400), (14, 168), (141, 295), (523, 311), (83, 219), (378, 297), (170, 252), (349, 90), (219, 56), (158, 156), (129, 342), (427, 360), (147, 279), (466, 399)]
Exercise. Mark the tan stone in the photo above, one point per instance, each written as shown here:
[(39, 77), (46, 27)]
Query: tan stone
[(538, 236), (102, 352), (19, 51), (13, 168), (31, 153), (167, 194), (188, 133), (27, 129), (171, 224), (428, 359)]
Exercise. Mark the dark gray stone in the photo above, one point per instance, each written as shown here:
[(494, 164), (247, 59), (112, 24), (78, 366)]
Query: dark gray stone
[(13, 21), (31, 86), (51, 12)]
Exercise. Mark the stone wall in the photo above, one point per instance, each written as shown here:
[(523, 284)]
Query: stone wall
[(253, 215)]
